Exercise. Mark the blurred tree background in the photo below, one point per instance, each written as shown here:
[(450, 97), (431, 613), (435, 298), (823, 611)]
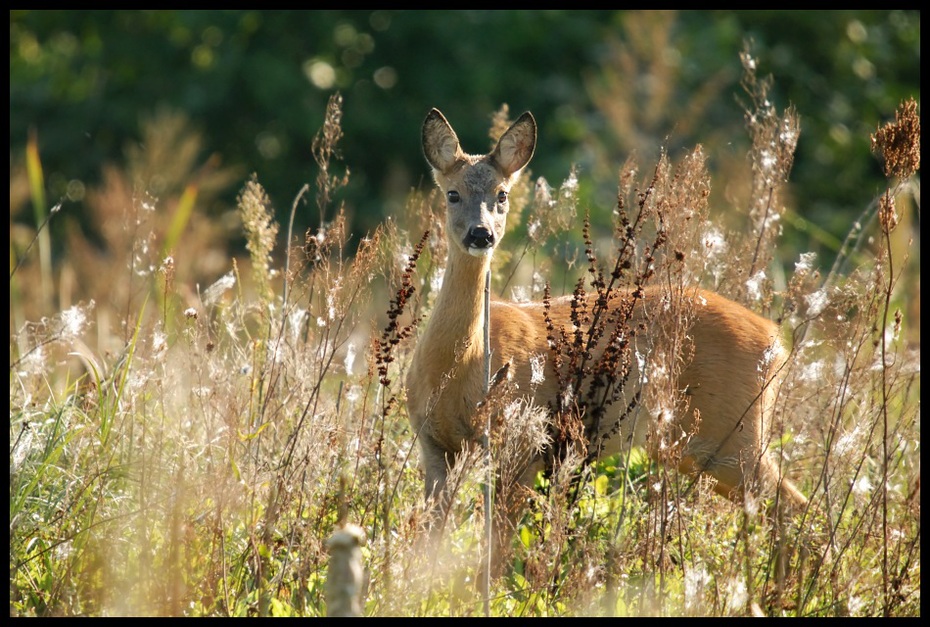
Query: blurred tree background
[(238, 92)]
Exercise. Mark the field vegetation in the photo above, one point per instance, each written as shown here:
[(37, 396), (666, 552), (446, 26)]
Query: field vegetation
[(179, 448)]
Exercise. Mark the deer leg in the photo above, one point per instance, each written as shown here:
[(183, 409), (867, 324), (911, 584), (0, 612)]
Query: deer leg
[(436, 470), (509, 507)]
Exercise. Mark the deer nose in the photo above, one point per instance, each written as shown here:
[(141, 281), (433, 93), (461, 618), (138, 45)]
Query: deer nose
[(479, 237)]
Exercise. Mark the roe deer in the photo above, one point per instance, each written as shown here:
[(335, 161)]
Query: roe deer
[(446, 382)]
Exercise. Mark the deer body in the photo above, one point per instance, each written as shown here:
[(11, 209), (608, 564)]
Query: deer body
[(446, 381)]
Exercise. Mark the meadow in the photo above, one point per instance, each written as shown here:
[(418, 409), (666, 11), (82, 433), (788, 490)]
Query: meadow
[(188, 449)]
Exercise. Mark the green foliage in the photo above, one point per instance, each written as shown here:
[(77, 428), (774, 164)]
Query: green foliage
[(255, 83)]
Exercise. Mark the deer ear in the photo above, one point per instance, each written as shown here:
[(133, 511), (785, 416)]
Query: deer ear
[(440, 143), (517, 145)]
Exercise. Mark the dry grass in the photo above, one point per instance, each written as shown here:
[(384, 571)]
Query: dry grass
[(187, 450)]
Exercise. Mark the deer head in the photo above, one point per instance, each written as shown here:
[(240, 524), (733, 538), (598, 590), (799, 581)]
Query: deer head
[(476, 187)]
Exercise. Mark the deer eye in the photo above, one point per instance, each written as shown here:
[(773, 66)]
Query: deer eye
[(453, 196), (501, 197)]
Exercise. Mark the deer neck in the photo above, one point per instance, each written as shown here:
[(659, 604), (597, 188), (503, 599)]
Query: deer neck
[(455, 331)]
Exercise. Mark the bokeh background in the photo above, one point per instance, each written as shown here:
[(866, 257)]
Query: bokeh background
[(182, 100)]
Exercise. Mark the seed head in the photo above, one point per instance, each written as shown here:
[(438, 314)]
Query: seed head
[(899, 141)]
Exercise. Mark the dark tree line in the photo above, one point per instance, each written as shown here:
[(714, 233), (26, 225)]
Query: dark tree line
[(602, 84)]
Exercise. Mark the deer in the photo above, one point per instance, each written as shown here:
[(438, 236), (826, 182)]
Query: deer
[(447, 378)]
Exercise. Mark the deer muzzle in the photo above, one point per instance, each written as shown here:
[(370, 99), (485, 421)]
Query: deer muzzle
[(479, 241)]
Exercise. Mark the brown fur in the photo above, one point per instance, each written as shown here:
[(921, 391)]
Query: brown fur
[(725, 376)]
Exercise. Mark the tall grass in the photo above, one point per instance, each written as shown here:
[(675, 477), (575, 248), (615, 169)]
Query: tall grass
[(187, 450)]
